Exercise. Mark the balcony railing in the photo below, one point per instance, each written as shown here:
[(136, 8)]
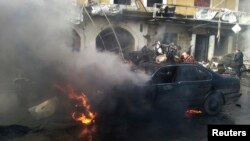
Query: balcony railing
[(201, 13), (179, 12)]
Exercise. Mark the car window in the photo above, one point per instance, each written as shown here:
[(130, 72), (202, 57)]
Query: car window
[(203, 74), (193, 73), (165, 75)]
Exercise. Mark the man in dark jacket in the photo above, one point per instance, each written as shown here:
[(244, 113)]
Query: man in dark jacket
[(238, 59)]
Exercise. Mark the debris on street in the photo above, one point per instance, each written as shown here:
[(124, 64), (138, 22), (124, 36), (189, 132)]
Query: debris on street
[(44, 109)]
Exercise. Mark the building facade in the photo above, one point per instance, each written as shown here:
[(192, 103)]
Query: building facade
[(202, 27)]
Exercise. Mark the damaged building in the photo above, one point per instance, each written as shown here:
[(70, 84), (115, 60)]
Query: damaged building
[(205, 28), (60, 81)]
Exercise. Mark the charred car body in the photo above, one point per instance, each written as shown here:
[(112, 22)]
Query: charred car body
[(192, 86)]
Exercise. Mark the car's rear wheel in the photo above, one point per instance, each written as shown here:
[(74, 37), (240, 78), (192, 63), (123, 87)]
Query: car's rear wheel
[(213, 104)]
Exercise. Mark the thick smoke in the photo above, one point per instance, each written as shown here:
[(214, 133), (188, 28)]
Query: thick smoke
[(160, 33), (243, 43), (244, 6), (244, 36), (36, 53)]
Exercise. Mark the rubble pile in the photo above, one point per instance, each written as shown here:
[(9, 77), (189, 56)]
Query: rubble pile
[(149, 60), (225, 64)]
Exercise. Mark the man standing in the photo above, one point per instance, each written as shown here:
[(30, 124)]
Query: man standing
[(238, 59), (186, 58)]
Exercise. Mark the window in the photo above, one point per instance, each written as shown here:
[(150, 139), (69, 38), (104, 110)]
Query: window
[(165, 75), (150, 3), (202, 3), (202, 74), (124, 2), (191, 73)]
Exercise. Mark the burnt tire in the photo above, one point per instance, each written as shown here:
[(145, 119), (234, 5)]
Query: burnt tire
[(213, 104)]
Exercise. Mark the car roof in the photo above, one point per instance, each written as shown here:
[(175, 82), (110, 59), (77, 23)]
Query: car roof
[(154, 67), (185, 64), (188, 64), (181, 64), (160, 66)]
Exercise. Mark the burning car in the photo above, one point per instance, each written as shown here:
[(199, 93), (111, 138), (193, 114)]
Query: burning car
[(193, 86)]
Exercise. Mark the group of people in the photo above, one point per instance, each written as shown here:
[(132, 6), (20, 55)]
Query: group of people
[(187, 58), (170, 55), (238, 60), (162, 55)]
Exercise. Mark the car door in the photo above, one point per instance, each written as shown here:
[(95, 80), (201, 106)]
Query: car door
[(194, 82), (163, 85)]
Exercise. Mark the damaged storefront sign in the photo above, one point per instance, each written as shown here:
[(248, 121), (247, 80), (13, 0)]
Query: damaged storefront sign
[(98, 9), (205, 14), (44, 109), (224, 15), (228, 16)]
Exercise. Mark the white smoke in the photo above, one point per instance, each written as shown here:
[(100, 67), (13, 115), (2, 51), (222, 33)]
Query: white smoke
[(160, 32), (243, 43), (35, 43)]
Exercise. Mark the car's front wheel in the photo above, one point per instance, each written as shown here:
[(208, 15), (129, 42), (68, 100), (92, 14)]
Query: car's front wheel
[(213, 104)]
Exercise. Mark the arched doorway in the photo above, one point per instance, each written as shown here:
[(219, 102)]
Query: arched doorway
[(106, 40)]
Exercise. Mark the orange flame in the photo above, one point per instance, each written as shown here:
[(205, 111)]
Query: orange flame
[(82, 118), (85, 117), (193, 112)]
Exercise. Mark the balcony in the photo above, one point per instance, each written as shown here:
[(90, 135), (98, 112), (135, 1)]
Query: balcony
[(174, 12), (213, 15)]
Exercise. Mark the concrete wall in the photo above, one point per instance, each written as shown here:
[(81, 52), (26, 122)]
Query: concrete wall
[(79, 31), (82, 2), (185, 10), (229, 4), (156, 32)]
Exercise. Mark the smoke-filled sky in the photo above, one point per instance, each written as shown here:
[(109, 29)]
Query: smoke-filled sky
[(35, 44), (243, 43)]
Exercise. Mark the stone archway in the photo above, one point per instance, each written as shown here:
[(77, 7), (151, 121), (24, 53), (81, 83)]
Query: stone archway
[(108, 42)]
